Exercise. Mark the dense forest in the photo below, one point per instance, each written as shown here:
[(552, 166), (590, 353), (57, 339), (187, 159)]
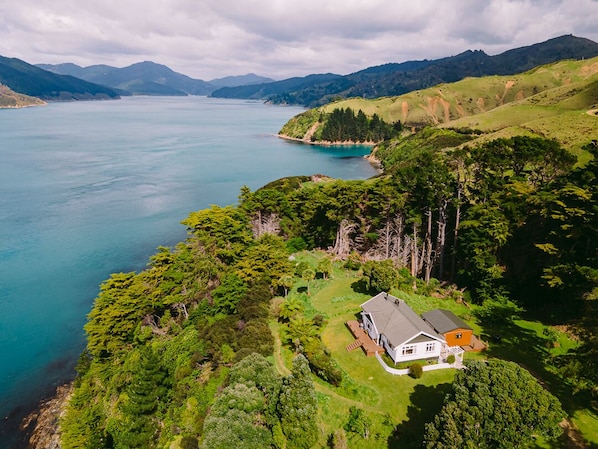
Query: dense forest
[(344, 125), (182, 351)]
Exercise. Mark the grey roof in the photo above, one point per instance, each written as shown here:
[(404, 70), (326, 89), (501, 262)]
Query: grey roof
[(420, 339), (395, 319), (444, 320)]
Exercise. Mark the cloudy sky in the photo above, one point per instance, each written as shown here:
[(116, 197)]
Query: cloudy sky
[(208, 39)]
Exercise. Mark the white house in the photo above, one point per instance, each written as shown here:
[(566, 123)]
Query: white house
[(405, 336)]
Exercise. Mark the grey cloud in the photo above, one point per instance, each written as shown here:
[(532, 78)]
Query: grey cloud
[(280, 38)]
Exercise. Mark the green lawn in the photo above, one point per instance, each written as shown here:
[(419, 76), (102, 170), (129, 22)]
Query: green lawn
[(399, 406)]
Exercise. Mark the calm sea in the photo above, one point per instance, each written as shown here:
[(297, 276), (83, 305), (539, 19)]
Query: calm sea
[(91, 188)]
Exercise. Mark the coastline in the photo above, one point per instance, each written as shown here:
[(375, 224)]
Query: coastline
[(9, 99), (40, 428), (376, 163), (23, 106), (371, 158), (326, 143)]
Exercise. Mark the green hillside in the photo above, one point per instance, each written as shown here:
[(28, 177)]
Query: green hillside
[(399, 78), (31, 80), (548, 100)]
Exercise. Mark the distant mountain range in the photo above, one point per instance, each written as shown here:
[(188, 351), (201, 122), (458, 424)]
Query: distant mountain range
[(242, 80), (72, 82), (399, 78), (143, 78), (62, 82), (149, 78)]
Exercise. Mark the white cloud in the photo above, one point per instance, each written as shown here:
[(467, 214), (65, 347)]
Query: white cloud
[(280, 38)]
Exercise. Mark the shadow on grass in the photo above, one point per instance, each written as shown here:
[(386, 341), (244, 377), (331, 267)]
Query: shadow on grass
[(508, 341), (425, 403), (526, 348)]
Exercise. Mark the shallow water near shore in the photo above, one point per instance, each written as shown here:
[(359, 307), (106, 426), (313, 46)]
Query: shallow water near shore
[(91, 188)]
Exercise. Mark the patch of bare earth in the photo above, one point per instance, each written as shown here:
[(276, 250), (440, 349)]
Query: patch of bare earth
[(508, 86), (310, 132), (573, 438), (437, 114), (404, 111), (447, 109), (589, 69), (480, 104)]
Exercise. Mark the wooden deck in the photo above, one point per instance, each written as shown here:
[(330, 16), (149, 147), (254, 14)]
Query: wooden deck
[(476, 345), (362, 340)]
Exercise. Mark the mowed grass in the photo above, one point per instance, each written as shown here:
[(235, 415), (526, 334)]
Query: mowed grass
[(399, 405)]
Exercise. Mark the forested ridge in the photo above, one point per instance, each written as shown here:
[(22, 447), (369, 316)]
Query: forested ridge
[(399, 78), (219, 342)]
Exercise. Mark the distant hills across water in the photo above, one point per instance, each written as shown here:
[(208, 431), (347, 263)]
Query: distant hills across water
[(69, 81), (149, 78)]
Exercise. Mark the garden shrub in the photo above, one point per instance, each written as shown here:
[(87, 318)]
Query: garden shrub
[(416, 370)]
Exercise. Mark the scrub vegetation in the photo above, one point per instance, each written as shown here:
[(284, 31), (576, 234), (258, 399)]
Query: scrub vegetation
[(237, 338)]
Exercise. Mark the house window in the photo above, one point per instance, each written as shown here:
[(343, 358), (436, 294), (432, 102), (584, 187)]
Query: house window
[(408, 350), (458, 335), (430, 347)]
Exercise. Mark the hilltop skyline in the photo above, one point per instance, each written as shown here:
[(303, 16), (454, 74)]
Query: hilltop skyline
[(280, 39)]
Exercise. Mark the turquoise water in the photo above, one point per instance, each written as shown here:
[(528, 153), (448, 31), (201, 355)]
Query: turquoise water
[(91, 188)]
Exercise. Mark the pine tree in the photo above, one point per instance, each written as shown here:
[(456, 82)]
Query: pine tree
[(298, 408), (137, 426)]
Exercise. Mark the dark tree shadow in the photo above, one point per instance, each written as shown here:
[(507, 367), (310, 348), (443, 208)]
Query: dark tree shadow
[(426, 403), (507, 341), (359, 286)]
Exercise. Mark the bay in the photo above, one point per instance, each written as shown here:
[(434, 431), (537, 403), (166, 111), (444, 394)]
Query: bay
[(92, 188)]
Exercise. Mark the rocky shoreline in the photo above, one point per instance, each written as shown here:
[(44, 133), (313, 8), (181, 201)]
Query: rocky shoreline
[(372, 159), (325, 142), (40, 428)]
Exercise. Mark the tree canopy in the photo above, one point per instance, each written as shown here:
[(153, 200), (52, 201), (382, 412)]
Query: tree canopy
[(494, 404)]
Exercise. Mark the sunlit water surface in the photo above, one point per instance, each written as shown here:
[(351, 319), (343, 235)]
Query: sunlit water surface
[(92, 188)]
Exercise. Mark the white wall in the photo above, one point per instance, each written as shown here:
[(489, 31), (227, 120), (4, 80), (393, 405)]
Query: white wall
[(419, 352), (369, 327)]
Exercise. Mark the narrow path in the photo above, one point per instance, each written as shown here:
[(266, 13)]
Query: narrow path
[(278, 361), (320, 388)]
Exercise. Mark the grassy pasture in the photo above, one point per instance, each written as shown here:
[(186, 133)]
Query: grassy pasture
[(550, 101)]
